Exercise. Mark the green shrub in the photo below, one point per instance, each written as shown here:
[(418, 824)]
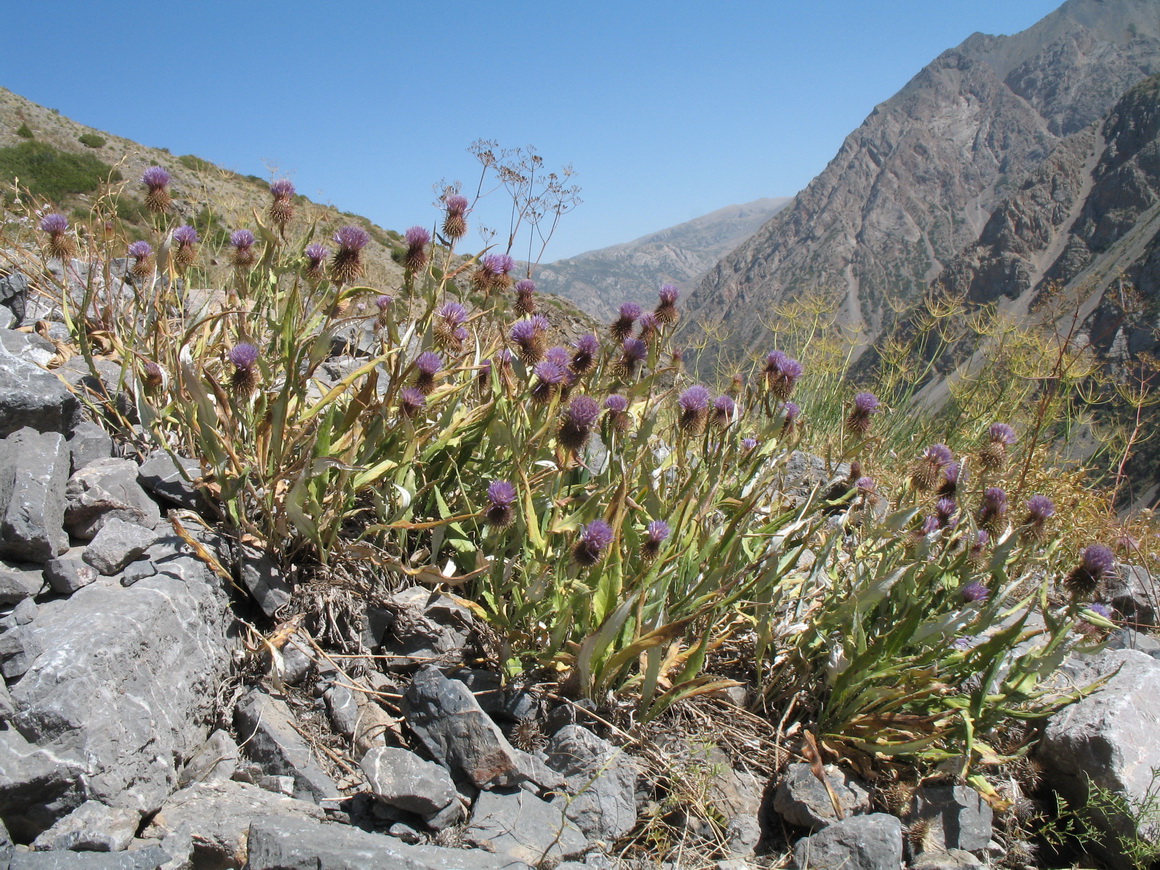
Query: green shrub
[(24, 132), (195, 163), (91, 140), (50, 172)]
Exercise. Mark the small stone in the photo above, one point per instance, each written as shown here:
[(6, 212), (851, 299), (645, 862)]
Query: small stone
[(802, 800), (522, 827), (405, 833), (89, 442), (400, 778), (297, 659), (956, 817), (33, 397), (19, 648), (601, 779), (266, 734), (117, 544), (91, 827), (160, 475), (68, 573), (103, 489), (17, 584), (343, 709), (283, 785), (1132, 591), (215, 761), (22, 614), (263, 578), (869, 842), (138, 570), (954, 859)]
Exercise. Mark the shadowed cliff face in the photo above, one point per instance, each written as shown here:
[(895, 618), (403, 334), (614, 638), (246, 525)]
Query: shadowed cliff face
[(919, 180), (599, 281)]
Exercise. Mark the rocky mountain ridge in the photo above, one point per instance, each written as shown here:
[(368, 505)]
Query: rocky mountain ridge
[(918, 181), (599, 281)]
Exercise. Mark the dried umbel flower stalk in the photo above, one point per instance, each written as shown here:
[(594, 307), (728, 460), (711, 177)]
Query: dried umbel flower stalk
[(59, 243), (142, 254), (157, 198), (347, 264), (584, 359), (579, 418), (1095, 564), (594, 541), (666, 311), (186, 238), (526, 297), (781, 375), (530, 338), (245, 378), (427, 365), (657, 533), (316, 255), (993, 512), (862, 414), (627, 317), (993, 456), (929, 468), (242, 242), (417, 239), (282, 208), (455, 220), (694, 410)]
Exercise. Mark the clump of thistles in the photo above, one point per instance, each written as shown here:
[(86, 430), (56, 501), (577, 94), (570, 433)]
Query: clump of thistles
[(862, 413), (525, 297), (579, 418), (632, 353), (244, 356), (993, 510), (455, 220), (316, 255), (157, 198), (347, 263), (656, 534), (427, 365), (242, 241), (142, 254), (694, 410), (666, 311), (282, 208), (411, 401), (627, 316), (417, 239), (187, 239), (1095, 563), (501, 495), (58, 244), (930, 466), (530, 338), (781, 374), (593, 542), (993, 456)]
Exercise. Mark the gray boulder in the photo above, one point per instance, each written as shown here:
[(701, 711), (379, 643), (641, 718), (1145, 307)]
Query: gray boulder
[(149, 858), (33, 471), (91, 827), (1109, 737), (522, 827), (215, 761), (170, 481), (34, 398), (869, 842), (70, 572), (951, 817), (123, 692), (401, 779), (267, 735), (19, 648), (117, 544), (1134, 592), (106, 489), (18, 583), (282, 843), (14, 291), (802, 800), (449, 722), (89, 442), (427, 629), (601, 780)]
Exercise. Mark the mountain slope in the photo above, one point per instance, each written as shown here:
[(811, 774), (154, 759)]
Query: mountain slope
[(599, 281), (919, 179)]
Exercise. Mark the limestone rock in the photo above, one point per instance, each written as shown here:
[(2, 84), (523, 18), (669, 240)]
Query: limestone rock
[(601, 779), (267, 736), (802, 800), (522, 827), (869, 842), (91, 827), (117, 544), (400, 778), (32, 397), (33, 472), (104, 489)]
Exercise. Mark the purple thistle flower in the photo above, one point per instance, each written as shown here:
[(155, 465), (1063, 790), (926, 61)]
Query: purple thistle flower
[(633, 353), (724, 409), (649, 324), (792, 412), (456, 204), (930, 466), (579, 418), (155, 178), (994, 508), (417, 237), (185, 235), (866, 485), (501, 495), (561, 356), (861, 416), (1001, 433), (587, 347), (748, 444), (383, 302), (781, 374), (455, 220), (351, 239), (429, 362), (656, 534), (938, 454), (945, 509), (974, 592), (616, 403), (242, 239), (866, 403), (951, 475), (525, 287), (1098, 560), (549, 377), (411, 401), (929, 526), (497, 264), (694, 399), (593, 542), (283, 188), (54, 224), (1100, 610), (669, 294), (243, 355), (630, 311), (140, 250), (316, 253), (1040, 509), (627, 315), (453, 314)]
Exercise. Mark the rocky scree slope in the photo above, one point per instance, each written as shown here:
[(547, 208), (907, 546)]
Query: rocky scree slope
[(919, 179), (599, 281)]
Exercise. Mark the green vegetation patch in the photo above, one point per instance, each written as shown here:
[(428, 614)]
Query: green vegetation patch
[(192, 161), (92, 140), (50, 172), (25, 132)]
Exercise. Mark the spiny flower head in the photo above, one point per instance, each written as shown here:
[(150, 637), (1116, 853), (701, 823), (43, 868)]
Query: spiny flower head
[(694, 407), (627, 315), (185, 235), (281, 209), (455, 220), (411, 401), (792, 411), (633, 353), (594, 540), (429, 362), (155, 178), (140, 250), (993, 456), (529, 336), (347, 263), (244, 356), (977, 555), (781, 374), (930, 466), (724, 409), (616, 403), (561, 356), (579, 418), (1001, 433), (974, 592), (383, 302), (282, 188), (526, 297), (243, 243), (866, 484), (54, 224), (951, 474), (501, 495), (351, 239), (1039, 510), (497, 264), (994, 508), (417, 239), (862, 414), (156, 181), (657, 533), (669, 294), (453, 314), (649, 324), (58, 245), (583, 360), (316, 254), (1095, 563), (945, 509), (748, 444)]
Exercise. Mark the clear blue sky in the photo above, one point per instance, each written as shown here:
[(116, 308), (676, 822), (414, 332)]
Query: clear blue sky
[(666, 110)]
